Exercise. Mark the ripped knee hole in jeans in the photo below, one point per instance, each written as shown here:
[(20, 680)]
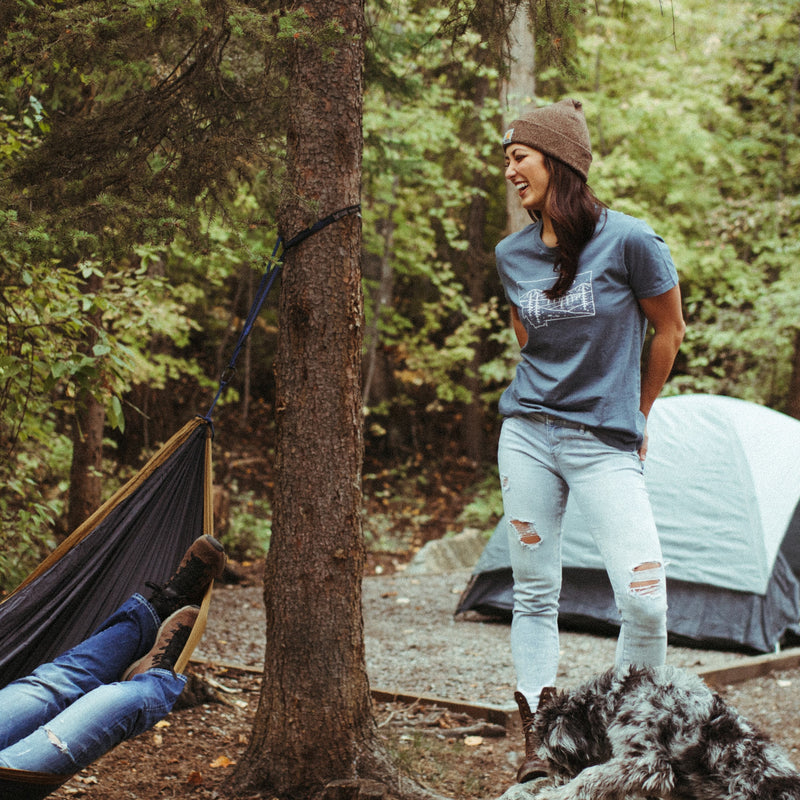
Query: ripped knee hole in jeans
[(645, 587)]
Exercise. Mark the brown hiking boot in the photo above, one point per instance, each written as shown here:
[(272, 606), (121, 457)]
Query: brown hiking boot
[(170, 641), (533, 766), (202, 563)]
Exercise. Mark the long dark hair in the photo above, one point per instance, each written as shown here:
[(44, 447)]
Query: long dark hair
[(574, 211)]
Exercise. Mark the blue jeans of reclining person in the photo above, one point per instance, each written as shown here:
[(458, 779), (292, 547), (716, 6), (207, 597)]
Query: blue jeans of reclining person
[(542, 460), (70, 711)]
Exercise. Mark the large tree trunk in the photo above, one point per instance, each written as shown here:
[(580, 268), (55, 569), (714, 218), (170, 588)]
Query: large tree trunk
[(314, 724), (478, 265)]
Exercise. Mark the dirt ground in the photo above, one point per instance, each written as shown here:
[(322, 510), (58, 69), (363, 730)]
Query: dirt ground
[(415, 647)]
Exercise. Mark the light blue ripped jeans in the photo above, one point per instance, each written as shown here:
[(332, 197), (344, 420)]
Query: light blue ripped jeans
[(542, 460)]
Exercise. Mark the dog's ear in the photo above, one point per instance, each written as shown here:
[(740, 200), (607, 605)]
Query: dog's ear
[(552, 705), (552, 698), (554, 723), (561, 737), (570, 736)]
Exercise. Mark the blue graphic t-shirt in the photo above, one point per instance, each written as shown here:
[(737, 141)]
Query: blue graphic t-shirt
[(582, 360)]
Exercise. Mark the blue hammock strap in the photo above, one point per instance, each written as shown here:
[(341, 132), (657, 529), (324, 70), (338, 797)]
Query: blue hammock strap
[(273, 267), (319, 225)]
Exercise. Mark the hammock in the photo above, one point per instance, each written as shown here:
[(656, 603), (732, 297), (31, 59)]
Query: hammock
[(140, 534)]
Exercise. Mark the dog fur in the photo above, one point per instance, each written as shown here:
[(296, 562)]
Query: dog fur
[(656, 733)]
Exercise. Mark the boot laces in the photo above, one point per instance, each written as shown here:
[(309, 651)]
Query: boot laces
[(168, 654)]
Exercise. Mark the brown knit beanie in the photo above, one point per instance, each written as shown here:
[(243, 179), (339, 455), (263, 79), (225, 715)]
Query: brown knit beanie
[(559, 130)]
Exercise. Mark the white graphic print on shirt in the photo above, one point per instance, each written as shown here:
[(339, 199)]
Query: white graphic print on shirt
[(537, 309)]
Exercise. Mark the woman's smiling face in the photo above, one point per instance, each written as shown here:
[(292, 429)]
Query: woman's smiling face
[(525, 168)]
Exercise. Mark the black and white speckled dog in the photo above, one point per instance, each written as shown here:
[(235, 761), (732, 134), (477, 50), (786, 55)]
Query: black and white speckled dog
[(656, 733)]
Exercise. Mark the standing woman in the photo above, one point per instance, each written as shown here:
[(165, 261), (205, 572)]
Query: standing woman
[(584, 283)]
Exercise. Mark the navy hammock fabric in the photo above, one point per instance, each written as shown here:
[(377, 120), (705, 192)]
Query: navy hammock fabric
[(21, 785), (139, 535)]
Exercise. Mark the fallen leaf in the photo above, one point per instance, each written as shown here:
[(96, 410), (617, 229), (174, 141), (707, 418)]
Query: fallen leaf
[(162, 724), (221, 761), (194, 779), (473, 741)]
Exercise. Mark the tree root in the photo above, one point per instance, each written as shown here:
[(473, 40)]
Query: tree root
[(375, 765)]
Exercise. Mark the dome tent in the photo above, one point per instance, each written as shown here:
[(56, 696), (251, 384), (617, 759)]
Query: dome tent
[(724, 481)]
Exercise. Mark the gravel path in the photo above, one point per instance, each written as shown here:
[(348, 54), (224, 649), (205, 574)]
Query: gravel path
[(414, 645)]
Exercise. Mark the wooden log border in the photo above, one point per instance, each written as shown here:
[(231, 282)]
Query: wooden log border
[(737, 672)]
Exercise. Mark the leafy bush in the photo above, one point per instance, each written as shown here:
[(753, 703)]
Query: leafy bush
[(250, 527)]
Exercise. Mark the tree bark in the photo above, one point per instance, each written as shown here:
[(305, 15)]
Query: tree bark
[(793, 404), (314, 724), (518, 96), (478, 264), (85, 484)]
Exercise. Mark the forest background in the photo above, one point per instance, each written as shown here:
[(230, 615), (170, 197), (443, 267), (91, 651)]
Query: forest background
[(141, 158)]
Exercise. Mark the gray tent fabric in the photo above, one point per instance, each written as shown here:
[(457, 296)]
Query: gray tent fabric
[(724, 481)]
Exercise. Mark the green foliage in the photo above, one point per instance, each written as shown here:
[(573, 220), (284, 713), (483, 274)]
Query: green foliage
[(26, 522), (147, 104), (555, 29), (250, 527), (486, 508), (419, 170), (136, 159), (694, 125)]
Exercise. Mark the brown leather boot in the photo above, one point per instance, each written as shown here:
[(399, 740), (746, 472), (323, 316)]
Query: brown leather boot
[(533, 766), (202, 563)]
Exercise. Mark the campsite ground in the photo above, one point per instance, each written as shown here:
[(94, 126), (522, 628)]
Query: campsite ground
[(414, 646)]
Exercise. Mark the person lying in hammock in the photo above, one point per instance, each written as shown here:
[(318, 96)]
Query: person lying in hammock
[(115, 684)]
